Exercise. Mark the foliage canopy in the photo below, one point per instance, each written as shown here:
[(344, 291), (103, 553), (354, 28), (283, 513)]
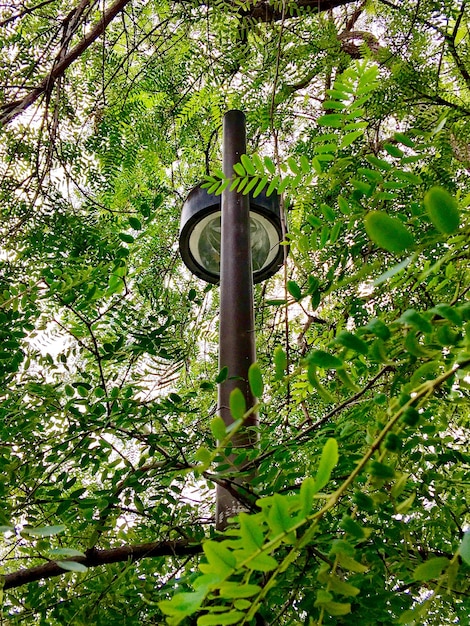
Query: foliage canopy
[(358, 114)]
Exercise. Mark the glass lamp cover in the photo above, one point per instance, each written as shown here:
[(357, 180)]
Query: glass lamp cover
[(209, 244)]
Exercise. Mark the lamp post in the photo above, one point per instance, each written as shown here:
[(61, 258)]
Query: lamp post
[(235, 241)]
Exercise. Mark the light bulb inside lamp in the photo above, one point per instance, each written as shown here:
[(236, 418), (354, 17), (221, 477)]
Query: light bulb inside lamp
[(206, 236)]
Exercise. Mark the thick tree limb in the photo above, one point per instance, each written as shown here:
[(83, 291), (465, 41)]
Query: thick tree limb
[(9, 111), (263, 11), (95, 557)]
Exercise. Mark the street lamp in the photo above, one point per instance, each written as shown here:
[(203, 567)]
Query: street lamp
[(234, 241)]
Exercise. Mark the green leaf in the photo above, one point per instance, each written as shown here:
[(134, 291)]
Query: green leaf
[(237, 403), (324, 359), (242, 182), (328, 460), (313, 379), (323, 596), (346, 379), (327, 212), (350, 526), (65, 552), (255, 380), (44, 531), (409, 177), (203, 455), (284, 184), (294, 290), (258, 163), (307, 491), (396, 269), (371, 175), (355, 126), (115, 284), (350, 138), (392, 442), (218, 428), (250, 532), (183, 604), (337, 93), (379, 328), (248, 165), (222, 375), (250, 185), (442, 210), (269, 165), (411, 617), (430, 569), (380, 470), (393, 151), (350, 564), (292, 163), (337, 608), (344, 205), (304, 164), (278, 518), (413, 318), (334, 120), (404, 139), (72, 566), (262, 562), (220, 619), (342, 587), (335, 232), (260, 186), (449, 312), (239, 170), (410, 416), (363, 501), (352, 342), (221, 560), (333, 104), (380, 163), (276, 302), (241, 604), (235, 590), (317, 166), (464, 548), (135, 223), (126, 238), (341, 547), (272, 185), (280, 363), (388, 232)]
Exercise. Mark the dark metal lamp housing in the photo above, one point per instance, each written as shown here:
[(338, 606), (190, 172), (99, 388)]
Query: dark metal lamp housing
[(200, 233)]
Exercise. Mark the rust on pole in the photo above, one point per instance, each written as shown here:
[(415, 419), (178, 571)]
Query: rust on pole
[(236, 323)]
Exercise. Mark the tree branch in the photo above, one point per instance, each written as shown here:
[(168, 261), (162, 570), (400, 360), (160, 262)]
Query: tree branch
[(95, 558), (25, 11), (9, 111), (450, 40), (263, 11)]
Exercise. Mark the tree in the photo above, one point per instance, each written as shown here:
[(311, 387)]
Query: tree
[(358, 115)]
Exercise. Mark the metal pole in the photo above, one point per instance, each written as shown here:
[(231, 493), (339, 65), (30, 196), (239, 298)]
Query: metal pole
[(236, 325)]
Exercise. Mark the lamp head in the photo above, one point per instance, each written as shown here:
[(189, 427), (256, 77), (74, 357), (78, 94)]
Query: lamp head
[(200, 235)]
